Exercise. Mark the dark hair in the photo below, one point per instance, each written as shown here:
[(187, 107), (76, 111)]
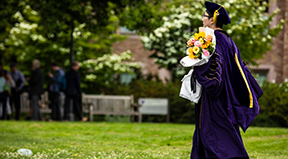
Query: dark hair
[(1, 63), (54, 64), (75, 63), (13, 65), (219, 24)]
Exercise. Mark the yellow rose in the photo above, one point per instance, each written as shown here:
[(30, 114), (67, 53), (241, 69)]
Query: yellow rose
[(196, 49)]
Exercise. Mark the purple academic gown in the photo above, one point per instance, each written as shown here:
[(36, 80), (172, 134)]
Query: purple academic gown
[(229, 100)]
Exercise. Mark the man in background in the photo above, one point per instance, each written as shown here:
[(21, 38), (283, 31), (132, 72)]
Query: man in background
[(36, 82), (72, 93), (55, 92), (19, 80)]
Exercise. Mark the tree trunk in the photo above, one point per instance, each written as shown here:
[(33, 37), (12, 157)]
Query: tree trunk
[(72, 46)]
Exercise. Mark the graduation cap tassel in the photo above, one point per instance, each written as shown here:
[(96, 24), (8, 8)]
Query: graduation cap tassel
[(216, 13)]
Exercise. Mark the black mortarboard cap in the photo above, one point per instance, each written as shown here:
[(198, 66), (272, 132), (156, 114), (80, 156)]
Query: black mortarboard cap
[(223, 16)]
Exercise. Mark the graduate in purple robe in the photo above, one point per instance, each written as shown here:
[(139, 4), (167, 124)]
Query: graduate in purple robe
[(229, 96)]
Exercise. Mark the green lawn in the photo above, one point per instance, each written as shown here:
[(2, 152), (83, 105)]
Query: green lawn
[(123, 140)]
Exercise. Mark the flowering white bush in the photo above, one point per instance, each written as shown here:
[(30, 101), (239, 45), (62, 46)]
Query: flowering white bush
[(249, 30), (103, 68)]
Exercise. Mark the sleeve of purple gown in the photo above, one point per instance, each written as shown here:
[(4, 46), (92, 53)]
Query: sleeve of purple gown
[(255, 86), (209, 75)]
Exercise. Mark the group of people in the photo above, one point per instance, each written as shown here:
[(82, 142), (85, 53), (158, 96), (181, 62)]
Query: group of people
[(64, 91), (11, 86)]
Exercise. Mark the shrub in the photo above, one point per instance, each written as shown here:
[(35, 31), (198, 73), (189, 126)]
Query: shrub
[(273, 105)]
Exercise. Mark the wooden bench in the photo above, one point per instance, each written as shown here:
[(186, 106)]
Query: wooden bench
[(154, 106), (25, 103), (110, 105)]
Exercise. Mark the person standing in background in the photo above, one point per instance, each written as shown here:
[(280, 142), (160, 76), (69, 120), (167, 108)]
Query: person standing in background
[(55, 92), (2, 69), (11, 84), (72, 93), (16, 91), (3, 95), (36, 82), (7, 93)]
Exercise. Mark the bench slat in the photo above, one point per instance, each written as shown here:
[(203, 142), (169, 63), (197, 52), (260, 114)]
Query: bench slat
[(93, 104), (111, 105)]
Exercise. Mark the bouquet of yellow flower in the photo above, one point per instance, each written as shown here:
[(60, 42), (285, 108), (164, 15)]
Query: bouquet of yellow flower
[(201, 46)]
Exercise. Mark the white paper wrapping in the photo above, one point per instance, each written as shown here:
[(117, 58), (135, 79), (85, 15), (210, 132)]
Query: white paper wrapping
[(185, 91)]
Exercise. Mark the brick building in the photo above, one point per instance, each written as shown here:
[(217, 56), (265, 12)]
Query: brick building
[(272, 67), (134, 44)]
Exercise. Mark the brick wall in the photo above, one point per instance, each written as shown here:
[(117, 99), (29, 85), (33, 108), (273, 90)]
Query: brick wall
[(134, 44), (285, 48), (277, 58)]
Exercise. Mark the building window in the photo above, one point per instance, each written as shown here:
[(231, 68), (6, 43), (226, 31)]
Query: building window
[(124, 30), (126, 78), (260, 75)]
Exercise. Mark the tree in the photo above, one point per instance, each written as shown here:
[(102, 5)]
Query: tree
[(249, 30), (66, 16), (7, 12), (34, 38), (61, 22), (143, 16)]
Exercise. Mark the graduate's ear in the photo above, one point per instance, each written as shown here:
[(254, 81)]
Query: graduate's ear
[(211, 20)]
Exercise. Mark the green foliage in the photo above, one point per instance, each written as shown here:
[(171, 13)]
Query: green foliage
[(273, 105), (8, 9), (43, 31), (249, 30), (143, 16)]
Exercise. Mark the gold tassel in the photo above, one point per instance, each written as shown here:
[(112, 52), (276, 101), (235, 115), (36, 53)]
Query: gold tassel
[(216, 13)]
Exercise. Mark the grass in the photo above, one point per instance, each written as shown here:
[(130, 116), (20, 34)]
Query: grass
[(123, 140)]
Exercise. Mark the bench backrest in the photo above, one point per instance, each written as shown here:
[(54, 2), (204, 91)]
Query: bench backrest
[(154, 106), (108, 103), (25, 103)]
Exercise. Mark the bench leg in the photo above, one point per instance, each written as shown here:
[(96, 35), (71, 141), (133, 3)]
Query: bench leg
[(132, 118), (140, 118), (168, 119), (91, 113)]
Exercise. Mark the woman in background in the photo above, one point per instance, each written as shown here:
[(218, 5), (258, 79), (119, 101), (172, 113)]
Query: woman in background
[(3, 94)]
